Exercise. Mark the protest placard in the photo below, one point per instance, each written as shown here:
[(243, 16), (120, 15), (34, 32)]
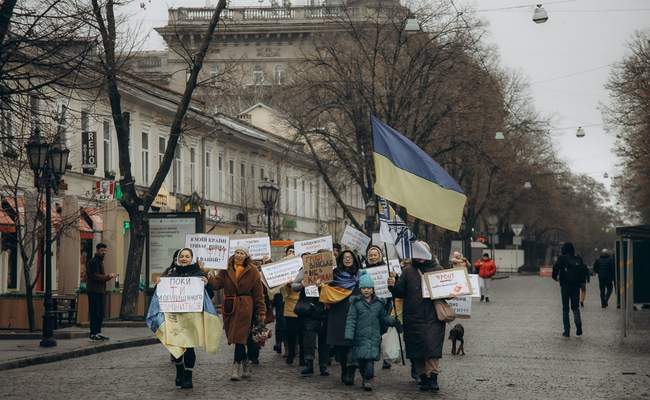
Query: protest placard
[(379, 275), (355, 240), (180, 294), (281, 272), (476, 288), (462, 306), (448, 283), (312, 291), (258, 247), (313, 245), (211, 249), (318, 268), (395, 266)]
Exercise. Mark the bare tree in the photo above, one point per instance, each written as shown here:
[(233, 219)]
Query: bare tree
[(136, 205)]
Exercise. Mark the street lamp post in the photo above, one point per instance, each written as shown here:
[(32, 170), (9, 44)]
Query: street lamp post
[(49, 164), (269, 192), (371, 213), (492, 220)]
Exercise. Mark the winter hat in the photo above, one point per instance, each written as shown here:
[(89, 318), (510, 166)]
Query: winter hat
[(241, 248), (366, 281)]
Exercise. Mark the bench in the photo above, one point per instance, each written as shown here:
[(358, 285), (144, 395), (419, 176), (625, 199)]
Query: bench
[(65, 309)]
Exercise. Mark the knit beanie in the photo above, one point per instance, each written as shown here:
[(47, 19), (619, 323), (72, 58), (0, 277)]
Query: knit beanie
[(366, 281)]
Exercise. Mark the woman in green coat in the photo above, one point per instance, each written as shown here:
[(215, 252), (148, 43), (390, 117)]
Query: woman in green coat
[(366, 318)]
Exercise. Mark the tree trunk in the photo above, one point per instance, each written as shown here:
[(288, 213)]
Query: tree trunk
[(29, 296), (128, 309)]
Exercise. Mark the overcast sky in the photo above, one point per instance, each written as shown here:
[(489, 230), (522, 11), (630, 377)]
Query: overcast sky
[(567, 60)]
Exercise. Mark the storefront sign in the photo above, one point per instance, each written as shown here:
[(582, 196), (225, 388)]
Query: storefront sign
[(89, 151), (281, 272), (312, 246), (180, 294), (212, 250), (448, 283), (105, 189)]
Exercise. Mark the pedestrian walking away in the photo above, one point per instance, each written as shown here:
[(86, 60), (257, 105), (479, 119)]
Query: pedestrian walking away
[(424, 333), (606, 270), (571, 272), (366, 319), (185, 358), (336, 295), (96, 280), (486, 269), (243, 307)]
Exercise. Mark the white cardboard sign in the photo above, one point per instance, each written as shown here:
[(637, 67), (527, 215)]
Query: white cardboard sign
[(312, 291), (448, 283), (258, 247), (380, 276), (462, 306), (211, 249), (180, 294), (355, 239), (313, 245), (476, 288), (281, 272), (395, 266)]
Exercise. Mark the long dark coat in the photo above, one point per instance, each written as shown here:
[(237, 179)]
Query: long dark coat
[(248, 301), (424, 334), (336, 317)]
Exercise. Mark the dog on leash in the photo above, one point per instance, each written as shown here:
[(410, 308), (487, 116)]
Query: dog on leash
[(456, 334)]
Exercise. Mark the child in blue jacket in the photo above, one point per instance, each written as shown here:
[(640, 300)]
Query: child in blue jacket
[(366, 318)]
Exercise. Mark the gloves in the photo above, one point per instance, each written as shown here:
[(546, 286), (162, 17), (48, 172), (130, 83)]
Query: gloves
[(398, 327)]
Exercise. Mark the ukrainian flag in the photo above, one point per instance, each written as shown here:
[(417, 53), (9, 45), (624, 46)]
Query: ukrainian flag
[(179, 331), (406, 175)]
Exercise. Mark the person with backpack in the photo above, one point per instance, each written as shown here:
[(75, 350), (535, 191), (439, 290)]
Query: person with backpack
[(571, 272), (604, 267)]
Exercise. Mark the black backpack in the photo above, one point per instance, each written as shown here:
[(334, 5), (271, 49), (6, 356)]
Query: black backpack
[(573, 270)]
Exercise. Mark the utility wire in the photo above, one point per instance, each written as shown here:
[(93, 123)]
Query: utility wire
[(524, 5), (572, 74)]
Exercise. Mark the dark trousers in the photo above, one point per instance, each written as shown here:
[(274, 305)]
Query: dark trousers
[(188, 359), (571, 294), (606, 289), (366, 369), (344, 356), (293, 337), (95, 312), (315, 335), (248, 351)]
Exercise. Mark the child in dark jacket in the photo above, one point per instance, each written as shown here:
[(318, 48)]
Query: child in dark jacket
[(363, 327)]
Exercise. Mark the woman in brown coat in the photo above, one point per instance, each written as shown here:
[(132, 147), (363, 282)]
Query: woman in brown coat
[(243, 306)]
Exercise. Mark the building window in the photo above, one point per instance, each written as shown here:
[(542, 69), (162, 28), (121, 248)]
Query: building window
[(7, 129), (280, 75), (242, 183), (253, 185), (107, 148), (222, 179), (258, 75), (145, 158), (192, 169), (62, 122), (294, 197), (207, 188), (302, 205), (310, 212), (35, 112), (284, 195), (231, 181), (177, 171)]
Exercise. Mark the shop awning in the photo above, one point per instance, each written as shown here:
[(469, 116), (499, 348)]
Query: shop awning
[(7, 225), (85, 231), (95, 218)]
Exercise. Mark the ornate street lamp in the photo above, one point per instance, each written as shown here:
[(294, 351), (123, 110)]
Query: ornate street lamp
[(269, 192), (49, 165), (371, 212), (540, 15)]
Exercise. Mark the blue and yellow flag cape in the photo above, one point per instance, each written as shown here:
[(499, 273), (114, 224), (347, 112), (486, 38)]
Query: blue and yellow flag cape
[(406, 175), (178, 331)]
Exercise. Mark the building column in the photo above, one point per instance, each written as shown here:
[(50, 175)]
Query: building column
[(68, 247)]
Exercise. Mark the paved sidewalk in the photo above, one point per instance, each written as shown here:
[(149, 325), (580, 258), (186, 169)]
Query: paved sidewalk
[(27, 352)]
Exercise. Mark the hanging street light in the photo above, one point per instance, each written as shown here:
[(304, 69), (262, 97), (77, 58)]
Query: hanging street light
[(580, 132), (540, 15), (412, 25), (605, 175), (528, 185), (269, 193), (499, 136)]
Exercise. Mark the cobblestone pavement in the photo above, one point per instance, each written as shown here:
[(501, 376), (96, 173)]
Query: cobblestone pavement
[(514, 351)]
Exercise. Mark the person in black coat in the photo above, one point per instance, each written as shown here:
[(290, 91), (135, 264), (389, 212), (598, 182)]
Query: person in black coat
[(571, 272), (604, 267), (424, 334), (182, 266)]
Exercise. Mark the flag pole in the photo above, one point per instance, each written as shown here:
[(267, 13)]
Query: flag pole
[(399, 335)]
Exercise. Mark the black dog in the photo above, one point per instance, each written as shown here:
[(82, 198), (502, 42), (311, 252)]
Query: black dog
[(456, 334)]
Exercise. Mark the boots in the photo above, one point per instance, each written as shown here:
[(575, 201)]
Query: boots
[(180, 373), (186, 383), (351, 372), (433, 383), (425, 383), (247, 369), (309, 368), (323, 371), (482, 298), (366, 385), (236, 371), (487, 299)]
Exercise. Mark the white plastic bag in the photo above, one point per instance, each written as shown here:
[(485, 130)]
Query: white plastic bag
[(390, 345)]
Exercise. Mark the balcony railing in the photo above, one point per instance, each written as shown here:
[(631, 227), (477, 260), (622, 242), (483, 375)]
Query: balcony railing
[(196, 16)]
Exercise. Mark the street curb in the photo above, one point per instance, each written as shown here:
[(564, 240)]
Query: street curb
[(58, 335), (48, 358)]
